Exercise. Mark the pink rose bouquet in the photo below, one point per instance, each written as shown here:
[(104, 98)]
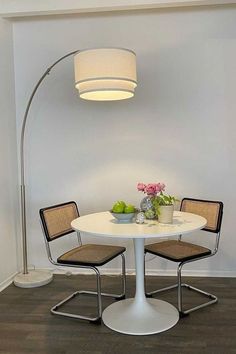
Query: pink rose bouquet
[(151, 189)]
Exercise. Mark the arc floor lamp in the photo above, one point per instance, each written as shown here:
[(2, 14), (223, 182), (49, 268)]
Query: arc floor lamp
[(102, 74)]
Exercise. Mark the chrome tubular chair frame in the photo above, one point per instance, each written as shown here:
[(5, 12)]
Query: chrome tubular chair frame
[(98, 292), (180, 285)]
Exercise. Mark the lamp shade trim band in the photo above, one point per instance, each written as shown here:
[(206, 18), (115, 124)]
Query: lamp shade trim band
[(107, 89), (98, 48), (106, 78)]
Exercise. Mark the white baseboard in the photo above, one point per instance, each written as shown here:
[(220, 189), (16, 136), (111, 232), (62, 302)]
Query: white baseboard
[(4, 284), (114, 271), (151, 272), (193, 273)]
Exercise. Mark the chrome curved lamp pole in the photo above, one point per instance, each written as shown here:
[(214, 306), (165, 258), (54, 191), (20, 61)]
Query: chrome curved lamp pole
[(30, 278), (105, 83)]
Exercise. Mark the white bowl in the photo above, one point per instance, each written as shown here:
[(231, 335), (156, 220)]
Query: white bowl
[(124, 217)]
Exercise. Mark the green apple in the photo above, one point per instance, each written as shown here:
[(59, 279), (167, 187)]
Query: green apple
[(121, 202), (119, 207), (129, 209)]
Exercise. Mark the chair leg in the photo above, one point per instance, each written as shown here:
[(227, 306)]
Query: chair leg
[(189, 287), (120, 296), (213, 300), (96, 319), (98, 293), (151, 293), (179, 287)]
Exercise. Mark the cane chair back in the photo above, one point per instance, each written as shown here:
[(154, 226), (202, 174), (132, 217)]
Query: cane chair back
[(210, 210), (57, 219)]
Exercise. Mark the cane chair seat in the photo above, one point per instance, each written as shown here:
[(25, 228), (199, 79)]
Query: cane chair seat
[(92, 255), (177, 251)]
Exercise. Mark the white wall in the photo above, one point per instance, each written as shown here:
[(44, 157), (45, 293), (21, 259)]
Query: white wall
[(179, 128), (8, 159)]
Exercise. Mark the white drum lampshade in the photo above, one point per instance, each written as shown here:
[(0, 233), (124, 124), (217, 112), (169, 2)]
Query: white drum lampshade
[(105, 74)]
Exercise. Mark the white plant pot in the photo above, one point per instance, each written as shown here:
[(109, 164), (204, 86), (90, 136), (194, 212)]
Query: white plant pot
[(166, 214)]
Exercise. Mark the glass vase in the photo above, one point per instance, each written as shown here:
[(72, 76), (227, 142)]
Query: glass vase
[(146, 206)]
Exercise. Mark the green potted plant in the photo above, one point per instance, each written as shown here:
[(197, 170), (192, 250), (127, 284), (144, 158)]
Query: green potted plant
[(164, 207)]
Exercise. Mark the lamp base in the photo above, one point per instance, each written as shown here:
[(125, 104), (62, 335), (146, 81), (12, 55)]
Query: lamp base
[(33, 279)]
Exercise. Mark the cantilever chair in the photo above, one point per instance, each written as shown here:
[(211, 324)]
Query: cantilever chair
[(56, 223), (185, 252)]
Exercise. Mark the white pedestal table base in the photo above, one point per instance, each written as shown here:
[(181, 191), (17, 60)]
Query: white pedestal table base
[(140, 316), (130, 317)]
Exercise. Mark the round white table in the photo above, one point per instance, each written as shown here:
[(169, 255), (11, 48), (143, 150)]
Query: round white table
[(139, 315)]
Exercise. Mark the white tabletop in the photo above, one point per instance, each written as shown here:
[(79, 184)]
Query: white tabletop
[(104, 224)]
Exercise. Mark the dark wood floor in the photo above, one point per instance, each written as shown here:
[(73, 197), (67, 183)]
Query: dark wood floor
[(26, 325)]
